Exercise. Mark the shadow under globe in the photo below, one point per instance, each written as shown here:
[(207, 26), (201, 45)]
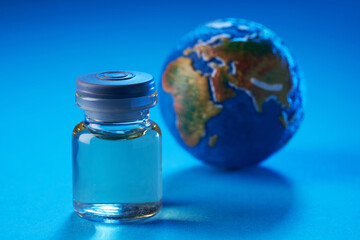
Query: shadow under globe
[(250, 201)]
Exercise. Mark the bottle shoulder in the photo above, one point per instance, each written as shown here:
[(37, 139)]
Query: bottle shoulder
[(119, 132), (78, 128), (155, 127)]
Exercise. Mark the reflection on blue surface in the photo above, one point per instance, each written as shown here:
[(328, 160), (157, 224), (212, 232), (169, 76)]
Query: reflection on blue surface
[(245, 202)]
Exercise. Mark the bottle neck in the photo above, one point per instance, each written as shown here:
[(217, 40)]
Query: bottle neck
[(116, 121)]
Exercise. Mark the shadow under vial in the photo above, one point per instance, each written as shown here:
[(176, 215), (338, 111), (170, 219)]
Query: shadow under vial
[(204, 202)]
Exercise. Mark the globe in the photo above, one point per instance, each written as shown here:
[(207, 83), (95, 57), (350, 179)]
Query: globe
[(231, 93)]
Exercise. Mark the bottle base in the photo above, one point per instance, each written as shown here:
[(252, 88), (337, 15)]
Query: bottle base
[(117, 213)]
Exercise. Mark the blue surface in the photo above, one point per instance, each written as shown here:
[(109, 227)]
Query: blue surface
[(309, 190)]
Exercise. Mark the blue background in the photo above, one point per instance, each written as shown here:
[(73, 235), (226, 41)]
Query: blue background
[(309, 190)]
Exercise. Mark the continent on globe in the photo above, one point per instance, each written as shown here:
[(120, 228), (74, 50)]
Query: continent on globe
[(232, 82), (254, 67), (192, 99)]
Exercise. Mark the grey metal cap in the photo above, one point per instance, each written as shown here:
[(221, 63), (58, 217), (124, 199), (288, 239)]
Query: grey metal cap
[(115, 91)]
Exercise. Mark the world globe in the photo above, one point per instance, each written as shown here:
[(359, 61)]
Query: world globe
[(231, 93)]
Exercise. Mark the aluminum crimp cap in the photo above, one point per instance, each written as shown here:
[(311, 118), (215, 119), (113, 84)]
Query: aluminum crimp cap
[(115, 91)]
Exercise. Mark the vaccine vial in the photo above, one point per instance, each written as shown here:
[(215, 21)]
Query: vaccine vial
[(117, 148)]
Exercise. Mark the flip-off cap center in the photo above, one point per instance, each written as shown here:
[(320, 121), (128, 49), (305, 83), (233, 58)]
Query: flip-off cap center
[(115, 75)]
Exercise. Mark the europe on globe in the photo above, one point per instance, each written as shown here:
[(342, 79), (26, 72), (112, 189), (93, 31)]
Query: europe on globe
[(231, 93)]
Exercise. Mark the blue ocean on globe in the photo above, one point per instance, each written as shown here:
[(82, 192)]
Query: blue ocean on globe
[(231, 93)]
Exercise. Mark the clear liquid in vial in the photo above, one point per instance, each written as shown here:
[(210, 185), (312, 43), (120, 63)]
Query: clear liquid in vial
[(117, 177)]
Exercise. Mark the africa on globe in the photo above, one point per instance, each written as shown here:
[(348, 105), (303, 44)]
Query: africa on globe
[(231, 93)]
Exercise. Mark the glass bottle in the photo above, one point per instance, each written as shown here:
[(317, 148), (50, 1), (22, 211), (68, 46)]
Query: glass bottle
[(117, 148)]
